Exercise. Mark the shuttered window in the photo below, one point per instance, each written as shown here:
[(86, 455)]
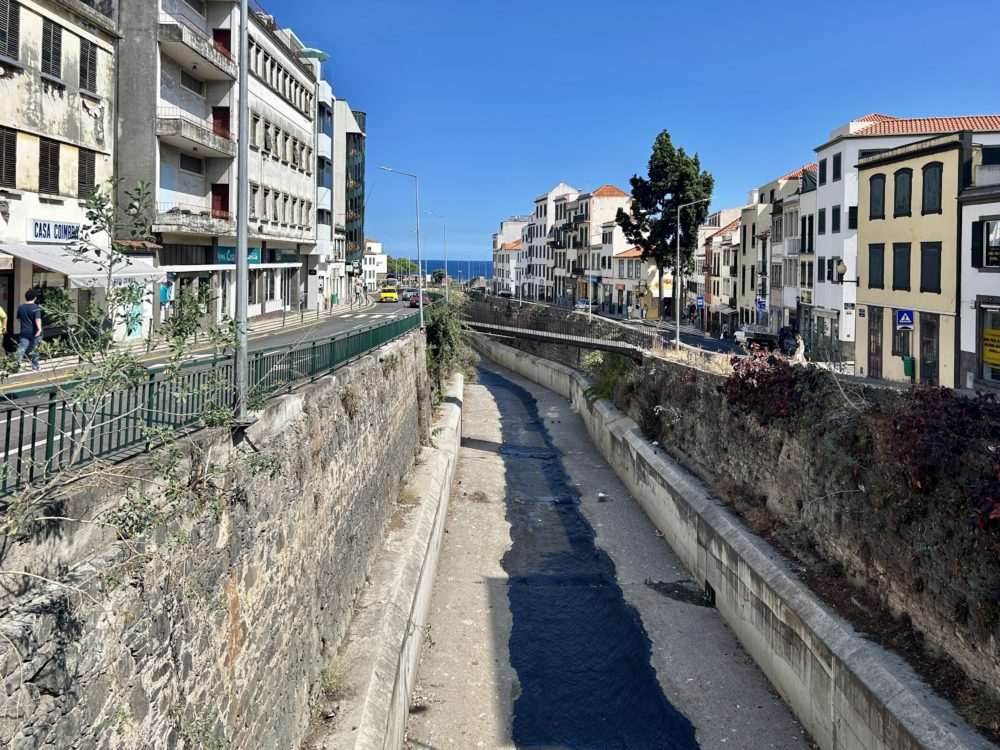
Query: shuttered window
[(51, 48), (48, 166), (10, 29), (8, 157), (88, 66), (85, 173)]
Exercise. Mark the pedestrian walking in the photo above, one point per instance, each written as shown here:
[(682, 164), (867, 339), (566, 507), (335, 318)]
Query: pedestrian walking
[(629, 309), (800, 350), (642, 312), (29, 315)]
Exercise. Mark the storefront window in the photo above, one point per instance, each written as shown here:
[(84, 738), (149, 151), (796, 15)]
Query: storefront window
[(991, 255), (990, 344)]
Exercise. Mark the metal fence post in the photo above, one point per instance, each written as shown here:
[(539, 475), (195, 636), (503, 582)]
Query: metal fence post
[(50, 431)]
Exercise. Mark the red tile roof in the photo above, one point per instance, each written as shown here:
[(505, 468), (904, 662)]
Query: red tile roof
[(511, 245), (917, 125), (609, 191), (731, 225), (632, 252), (798, 172), (873, 117)]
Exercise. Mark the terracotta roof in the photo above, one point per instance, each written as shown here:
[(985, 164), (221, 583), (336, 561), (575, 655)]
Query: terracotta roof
[(916, 125), (799, 172), (632, 252), (873, 117), (609, 191), (511, 245), (731, 225)]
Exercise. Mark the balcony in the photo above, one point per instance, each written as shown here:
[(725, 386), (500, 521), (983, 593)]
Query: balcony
[(186, 40), (581, 218), (987, 174), (576, 269), (183, 130), (793, 246), (193, 218)]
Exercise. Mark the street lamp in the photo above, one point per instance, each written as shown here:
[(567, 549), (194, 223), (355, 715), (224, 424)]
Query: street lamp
[(444, 219), (677, 304), (420, 280)]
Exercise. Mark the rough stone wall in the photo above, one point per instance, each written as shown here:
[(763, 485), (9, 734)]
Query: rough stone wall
[(215, 634)]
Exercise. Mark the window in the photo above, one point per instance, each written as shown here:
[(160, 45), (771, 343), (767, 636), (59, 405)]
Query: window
[(743, 242), (900, 340), (930, 267), (820, 268), (85, 173), (51, 48), (192, 84), (48, 166), (821, 229), (835, 220), (986, 244), (836, 166), (876, 196), (903, 181), (323, 216), (901, 266), (831, 271), (822, 171), (10, 29), (852, 217), (192, 164), (8, 155), (88, 66), (876, 266), (932, 188), (254, 192)]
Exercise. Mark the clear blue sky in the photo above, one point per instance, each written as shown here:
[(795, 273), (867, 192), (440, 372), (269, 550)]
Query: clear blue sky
[(493, 102)]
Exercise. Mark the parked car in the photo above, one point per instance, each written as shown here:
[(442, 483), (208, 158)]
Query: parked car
[(505, 295), (585, 305), (407, 293), (388, 294), (415, 300)]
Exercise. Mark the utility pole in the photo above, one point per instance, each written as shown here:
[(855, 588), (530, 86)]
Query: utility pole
[(420, 277), (677, 274), (242, 227)]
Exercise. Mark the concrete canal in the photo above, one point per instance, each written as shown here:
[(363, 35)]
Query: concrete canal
[(559, 619)]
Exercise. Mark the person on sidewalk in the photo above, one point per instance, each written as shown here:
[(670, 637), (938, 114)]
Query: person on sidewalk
[(29, 315), (725, 331), (642, 312), (800, 350), (629, 312)]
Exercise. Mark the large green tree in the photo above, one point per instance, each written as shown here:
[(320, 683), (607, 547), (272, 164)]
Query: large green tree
[(401, 266), (673, 179)]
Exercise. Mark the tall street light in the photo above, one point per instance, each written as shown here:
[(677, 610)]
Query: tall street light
[(677, 305), (445, 220), (420, 278), (242, 228)]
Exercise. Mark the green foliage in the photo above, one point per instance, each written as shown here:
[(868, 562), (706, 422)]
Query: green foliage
[(401, 266), (446, 350), (438, 276), (607, 369), (673, 179)]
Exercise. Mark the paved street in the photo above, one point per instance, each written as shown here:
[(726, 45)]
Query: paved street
[(559, 618)]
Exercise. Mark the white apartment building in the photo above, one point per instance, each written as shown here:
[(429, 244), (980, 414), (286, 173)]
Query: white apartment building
[(697, 284), (504, 242), (538, 245), (178, 117), (721, 250), (601, 263), (837, 205), (374, 265), (787, 230), (627, 277), (57, 143), (579, 222), (328, 279)]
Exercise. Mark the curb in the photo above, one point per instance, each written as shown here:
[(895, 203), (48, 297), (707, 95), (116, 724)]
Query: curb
[(846, 691), (382, 646)]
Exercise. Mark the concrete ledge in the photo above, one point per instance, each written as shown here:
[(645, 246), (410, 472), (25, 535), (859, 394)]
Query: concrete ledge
[(377, 665), (849, 693)]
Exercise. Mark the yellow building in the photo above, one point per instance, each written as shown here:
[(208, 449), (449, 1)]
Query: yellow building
[(908, 219)]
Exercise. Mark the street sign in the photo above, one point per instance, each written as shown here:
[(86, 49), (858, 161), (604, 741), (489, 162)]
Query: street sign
[(904, 320), (699, 302), (762, 305)]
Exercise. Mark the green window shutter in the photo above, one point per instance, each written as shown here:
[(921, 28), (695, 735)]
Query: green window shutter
[(977, 244)]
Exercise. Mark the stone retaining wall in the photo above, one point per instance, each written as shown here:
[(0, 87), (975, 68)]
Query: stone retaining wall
[(217, 632), (847, 692)]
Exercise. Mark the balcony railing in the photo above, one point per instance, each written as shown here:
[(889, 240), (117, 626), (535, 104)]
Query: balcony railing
[(279, 35), (192, 209), (793, 246), (197, 28), (205, 126)]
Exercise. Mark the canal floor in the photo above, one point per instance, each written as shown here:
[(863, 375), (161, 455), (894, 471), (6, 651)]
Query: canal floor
[(559, 618)]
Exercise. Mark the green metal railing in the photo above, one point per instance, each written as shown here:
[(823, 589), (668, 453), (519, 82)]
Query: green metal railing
[(44, 430)]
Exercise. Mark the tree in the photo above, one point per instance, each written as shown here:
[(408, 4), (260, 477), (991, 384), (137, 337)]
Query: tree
[(674, 179), (438, 276), (401, 266)]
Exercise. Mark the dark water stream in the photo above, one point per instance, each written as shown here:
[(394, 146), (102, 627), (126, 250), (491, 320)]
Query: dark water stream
[(580, 651)]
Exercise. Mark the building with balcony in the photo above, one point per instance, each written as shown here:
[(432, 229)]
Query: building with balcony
[(721, 249), (330, 277), (503, 245), (538, 245), (57, 144), (374, 265), (178, 123)]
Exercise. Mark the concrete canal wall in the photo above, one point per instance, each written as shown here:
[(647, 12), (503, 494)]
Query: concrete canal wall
[(847, 692)]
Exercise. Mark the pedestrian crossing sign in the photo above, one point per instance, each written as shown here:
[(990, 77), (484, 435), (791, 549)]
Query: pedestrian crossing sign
[(904, 320)]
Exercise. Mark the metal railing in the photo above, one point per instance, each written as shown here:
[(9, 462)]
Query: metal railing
[(45, 431), (167, 209), (176, 113), (198, 30)]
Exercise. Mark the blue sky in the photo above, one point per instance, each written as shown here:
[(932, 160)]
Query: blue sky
[(493, 102)]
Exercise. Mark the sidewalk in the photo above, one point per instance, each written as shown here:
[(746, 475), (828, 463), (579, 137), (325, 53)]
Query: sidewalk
[(258, 326)]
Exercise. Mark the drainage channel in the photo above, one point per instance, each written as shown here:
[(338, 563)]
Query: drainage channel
[(581, 653)]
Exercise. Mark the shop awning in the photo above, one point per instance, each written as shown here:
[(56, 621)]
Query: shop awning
[(82, 273), (725, 310)]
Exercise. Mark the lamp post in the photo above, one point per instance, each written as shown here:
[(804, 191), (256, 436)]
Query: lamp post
[(420, 279), (677, 304), (242, 368), (444, 220)]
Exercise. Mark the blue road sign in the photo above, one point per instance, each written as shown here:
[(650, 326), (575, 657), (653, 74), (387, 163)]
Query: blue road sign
[(904, 320), (762, 305), (699, 302)]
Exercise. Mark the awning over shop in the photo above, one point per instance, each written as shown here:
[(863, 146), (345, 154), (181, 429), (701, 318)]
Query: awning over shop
[(725, 310), (82, 273)]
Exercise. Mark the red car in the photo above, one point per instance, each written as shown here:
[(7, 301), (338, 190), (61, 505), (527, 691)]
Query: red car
[(415, 300)]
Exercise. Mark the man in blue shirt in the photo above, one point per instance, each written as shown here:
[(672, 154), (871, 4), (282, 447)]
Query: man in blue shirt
[(29, 315)]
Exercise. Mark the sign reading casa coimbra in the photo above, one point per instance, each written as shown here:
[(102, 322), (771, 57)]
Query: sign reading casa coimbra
[(43, 230)]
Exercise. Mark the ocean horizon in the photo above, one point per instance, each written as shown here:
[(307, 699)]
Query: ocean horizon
[(461, 268)]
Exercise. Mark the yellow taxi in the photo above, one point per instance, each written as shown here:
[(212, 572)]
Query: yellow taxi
[(388, 294)]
